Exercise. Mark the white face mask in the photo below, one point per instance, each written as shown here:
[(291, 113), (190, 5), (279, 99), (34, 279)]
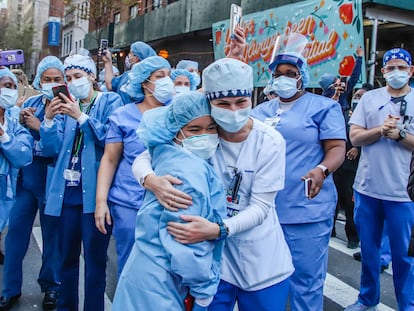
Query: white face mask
[(163, 90), (203, 146), (285, 87), (80, 88), (228, 120), (47, 90), (181, 89), (397, 79), (197, 79), (8, 97)]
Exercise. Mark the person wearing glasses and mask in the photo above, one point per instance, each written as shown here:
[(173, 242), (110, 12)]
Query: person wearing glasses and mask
[(314, 129), (119, 196), (383, 125), (250, 160), (74, 131), (138, 52), (160, 271), (30, 196)]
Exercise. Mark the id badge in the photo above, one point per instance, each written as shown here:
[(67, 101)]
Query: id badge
[(272, 121), (233, 207), (72, 177)]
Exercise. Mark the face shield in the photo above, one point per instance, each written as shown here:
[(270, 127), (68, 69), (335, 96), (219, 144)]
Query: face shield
[(288, 50)]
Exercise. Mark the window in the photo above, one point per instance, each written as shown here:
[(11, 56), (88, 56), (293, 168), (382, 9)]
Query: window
[(117, 18), (133, 11)]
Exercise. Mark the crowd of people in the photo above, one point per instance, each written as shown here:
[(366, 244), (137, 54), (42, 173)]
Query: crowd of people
[(202, 192)]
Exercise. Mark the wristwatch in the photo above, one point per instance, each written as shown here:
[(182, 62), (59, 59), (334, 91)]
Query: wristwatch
[(401, 135), (324, 169), (224, 231)]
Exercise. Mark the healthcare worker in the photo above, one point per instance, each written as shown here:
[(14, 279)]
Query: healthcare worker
[(30, 198), (119, 195), (314, 130), (15, 145), (160, 271), (256, 264), (183, 81), (74, 131), (190, 66), (138, 52)]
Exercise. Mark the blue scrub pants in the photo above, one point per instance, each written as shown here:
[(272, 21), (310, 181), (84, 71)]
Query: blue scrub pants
[(17, 241), (309, 246), (78, 228), (123, 221), (272, 298), (370, 214), (385, 247)]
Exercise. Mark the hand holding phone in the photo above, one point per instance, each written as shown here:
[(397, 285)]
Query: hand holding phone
[(104, 46), (308, 184), (61, 88), (235, 18)]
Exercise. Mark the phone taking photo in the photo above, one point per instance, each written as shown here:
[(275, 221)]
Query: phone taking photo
[(104, 45), (235, 18), (61, 88), (308, 184)]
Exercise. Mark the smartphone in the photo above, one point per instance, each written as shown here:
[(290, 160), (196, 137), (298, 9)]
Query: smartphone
[(308, 184), (61, 88), (235, 17), (343, 82), (11, 57), (104, 45)]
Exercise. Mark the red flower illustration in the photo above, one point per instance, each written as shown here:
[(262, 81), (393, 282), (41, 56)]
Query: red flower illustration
[(346, 13), (346, 66)]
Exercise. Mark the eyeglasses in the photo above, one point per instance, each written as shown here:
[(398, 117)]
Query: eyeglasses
[(289, 74), (399, 67)]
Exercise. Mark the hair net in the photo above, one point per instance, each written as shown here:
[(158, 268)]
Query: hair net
[(187, 64), (5, 72), (45, 64), (102, 73), (161, 125), (142, 50), (142, 71), (182, 72), (227, 77), (396, 53), (81, 62), (327, 80)]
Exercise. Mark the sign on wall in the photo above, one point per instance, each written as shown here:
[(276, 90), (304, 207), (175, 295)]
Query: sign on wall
[(53, 33), (333, 27)]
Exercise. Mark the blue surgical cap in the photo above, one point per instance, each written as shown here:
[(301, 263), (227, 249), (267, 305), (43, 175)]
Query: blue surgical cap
[(182, 72), (102, 73), (298, 61), (142, 50), (5, 72), (142, 71), (45, 64), (161, 125), (187, 64), (326, 80)]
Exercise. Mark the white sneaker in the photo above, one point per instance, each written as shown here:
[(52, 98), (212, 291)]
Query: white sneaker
[(357, 306)]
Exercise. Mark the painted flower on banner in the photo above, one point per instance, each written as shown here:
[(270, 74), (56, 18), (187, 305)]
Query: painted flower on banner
[(321, 17), (347, 13), (346, 66)]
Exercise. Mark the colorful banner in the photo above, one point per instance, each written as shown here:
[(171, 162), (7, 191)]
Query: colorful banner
[(53, 33), (334, 29)]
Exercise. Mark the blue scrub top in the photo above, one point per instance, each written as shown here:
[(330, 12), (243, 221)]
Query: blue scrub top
[(311, 119), (125, 189), (119, 86)]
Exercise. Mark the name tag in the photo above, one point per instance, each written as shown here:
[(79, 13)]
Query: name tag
[(72, 177)]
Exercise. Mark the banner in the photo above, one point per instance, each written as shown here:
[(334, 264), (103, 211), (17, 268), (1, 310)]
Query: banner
[(334, 29), (53, 33)]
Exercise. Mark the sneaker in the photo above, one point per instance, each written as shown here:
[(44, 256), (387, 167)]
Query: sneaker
[(353, 244), (357, 306), (357, 256)]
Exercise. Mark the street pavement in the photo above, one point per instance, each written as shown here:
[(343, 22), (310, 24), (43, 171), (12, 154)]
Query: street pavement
[(341, 285)]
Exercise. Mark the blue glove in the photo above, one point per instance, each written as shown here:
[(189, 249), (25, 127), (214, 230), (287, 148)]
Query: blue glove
[(197, 307)]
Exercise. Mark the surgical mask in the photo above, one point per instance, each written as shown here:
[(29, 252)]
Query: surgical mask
[(127, 63), (197, 79), (285, 87), (181, 89), (8, 97), (47, 90), (397, 78), (164, 89), (228, 120), (203, 146), (80, 88)]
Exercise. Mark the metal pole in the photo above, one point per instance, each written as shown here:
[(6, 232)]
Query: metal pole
[(373, 52)]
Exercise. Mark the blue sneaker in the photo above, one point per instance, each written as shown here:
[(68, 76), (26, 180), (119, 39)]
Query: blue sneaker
[(357, 306)]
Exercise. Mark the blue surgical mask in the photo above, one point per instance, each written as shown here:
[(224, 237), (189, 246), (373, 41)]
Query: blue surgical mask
[(397, 79), (229, 120), (181, 89), (127, 63), (203, 146), (285, 87), (8, 97), (163, 90), (197, 79), (80, 88), (47, 90)]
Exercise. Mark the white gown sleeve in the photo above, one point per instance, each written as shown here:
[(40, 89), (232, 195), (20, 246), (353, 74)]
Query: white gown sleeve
[(141, 167)]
